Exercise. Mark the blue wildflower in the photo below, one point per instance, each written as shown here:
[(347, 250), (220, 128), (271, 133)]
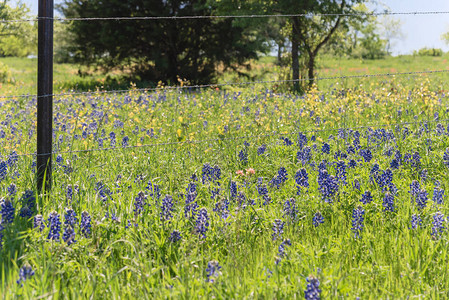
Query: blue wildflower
[(222, 208), (280, 178), (12, 159), (416, 221), (445, 157), (69, 235), (302, 140), (416, 161), (125, 141), (356, 184), (55, 226), (139, 203), (437, 229), (304, 155), (233, 189), (357, 221), (438, 195), (3, 170), (281, 250), (302, 180), (167, 208), (7, 211), (154, 190), (261, 150), (312, 291), (70, 218), (388, 202), (341, 172), (243, 156), (317, 219), (191, 205), (289, 209), (366, 197), (213, 271), (25, 273), (352, 164), (286, 141), (278, 229), (202, 223), (326, 148), (327, 185), (38, 222), (414, 188), (366, 155), (12, 189), (421, 199), (175, 236), (85, 224)]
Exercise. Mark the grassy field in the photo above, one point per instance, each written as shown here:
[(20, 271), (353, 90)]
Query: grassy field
[(246, 192)]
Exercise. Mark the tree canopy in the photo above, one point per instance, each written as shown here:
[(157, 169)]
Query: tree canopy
[(160, 50)]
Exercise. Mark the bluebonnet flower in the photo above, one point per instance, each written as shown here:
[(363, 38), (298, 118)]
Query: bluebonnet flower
[(317, 219), (112, 138), (352, 163), (388, 202), (304, 155), (312, 291), (208, 172), (366, 155), (278, 229), (12, 159), (191, 206), (326, 148), (350, 150), (438, 195), (7, 211), (139, 203), (358, 216), (280, 178), (175, 236), (424, 174), (167, 208), (59, 159), (202, 223), (302, 140), (70, 191), (421, 199), (222, 208), (327, 185), (25, 273), (233, 189), (154, 190), (386, 178), (3, 170), (243, 156), (394, 164), (286, 141), (12, 189), (290, 209), (281, 250), (374, 175), (69, 235), (55, 226), (414, 188), (445, 158), (438, 227), (416, 161), (366, 197), (302, 180), (85, 224), (70, 218), (125, 141), (261, 150), (341, 172), (38, 222), (103, 191), (416, 221), (213, 271)]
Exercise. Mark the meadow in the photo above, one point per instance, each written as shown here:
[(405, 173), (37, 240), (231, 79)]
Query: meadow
[(241, 192)]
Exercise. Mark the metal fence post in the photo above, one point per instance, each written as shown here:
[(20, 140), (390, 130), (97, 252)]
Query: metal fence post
[(44, 93)]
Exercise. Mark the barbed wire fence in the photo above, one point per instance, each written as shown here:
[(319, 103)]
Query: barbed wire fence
[(49, 96)]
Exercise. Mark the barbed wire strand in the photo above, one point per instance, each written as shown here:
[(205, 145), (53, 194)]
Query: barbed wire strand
[(127, 18), (372, 126), (227, 84)]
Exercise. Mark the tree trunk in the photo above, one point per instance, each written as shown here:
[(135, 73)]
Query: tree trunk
[(279, 53), (295, 56), (311, 68)]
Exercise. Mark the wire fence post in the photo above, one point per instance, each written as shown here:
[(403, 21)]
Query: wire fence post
[(44, 94)]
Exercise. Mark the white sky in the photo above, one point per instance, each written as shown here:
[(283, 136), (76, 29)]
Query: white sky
[(419, 30)]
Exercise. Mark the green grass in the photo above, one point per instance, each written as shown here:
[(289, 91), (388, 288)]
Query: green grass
[(173, 135)]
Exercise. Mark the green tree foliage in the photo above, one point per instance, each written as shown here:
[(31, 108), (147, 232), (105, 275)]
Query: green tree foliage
[(160, 49), (16, 38)]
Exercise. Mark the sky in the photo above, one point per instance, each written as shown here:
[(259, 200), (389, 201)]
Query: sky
[(419, 31)]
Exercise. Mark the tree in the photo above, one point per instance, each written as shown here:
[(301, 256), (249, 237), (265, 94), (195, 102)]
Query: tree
[(391, 31), (159, 49), (16, 38)]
